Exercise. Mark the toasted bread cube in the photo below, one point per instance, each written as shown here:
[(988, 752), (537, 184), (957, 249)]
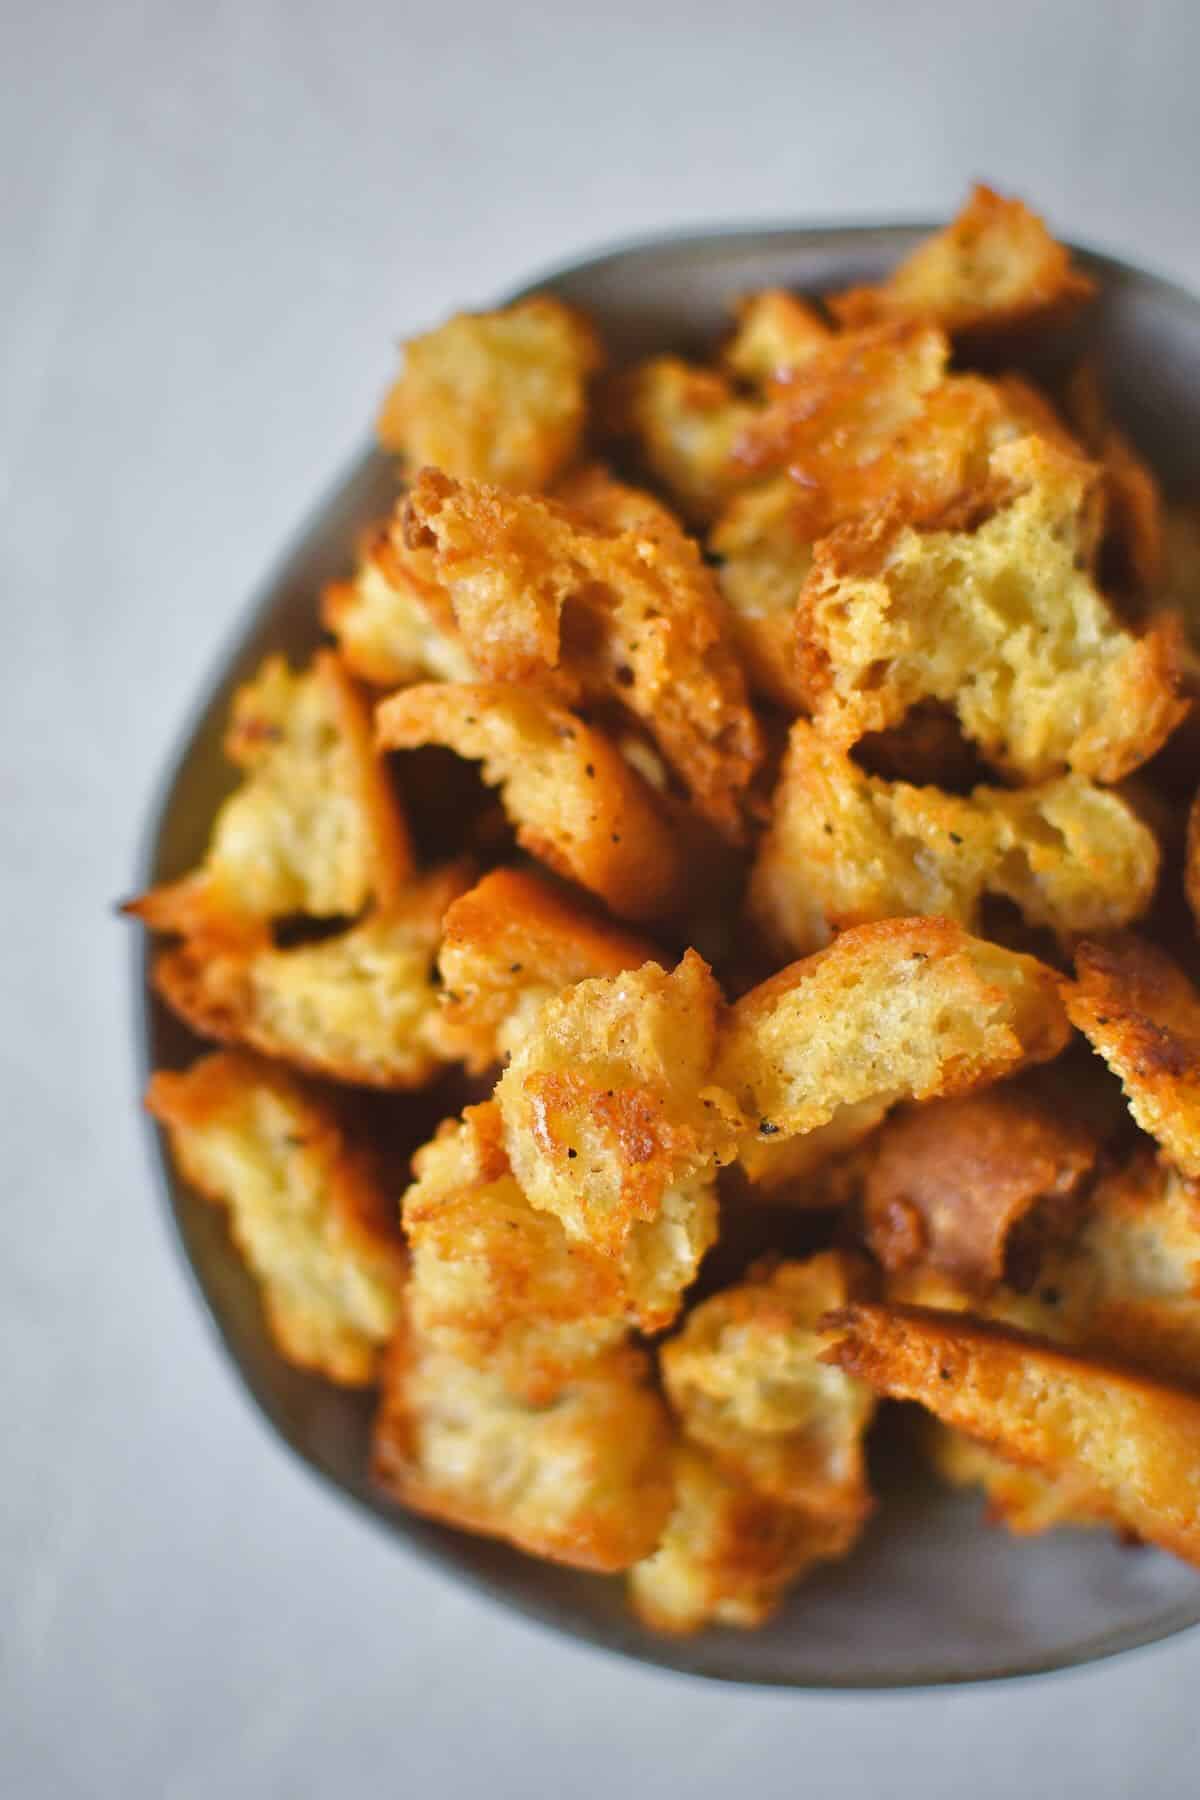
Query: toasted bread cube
[(391, 629), (687, 421), (995, 271), (903, 1010), (1025, 1501), (314, 828), (495, 1283), (305, 1210), (575, 802), (796, 1171), (947, 1183), (584, 1479), (497, 396), (604, 597), (611, 1123), (776, 334), (1003, 621), (360, 1007), (766, 554), (728, 1555), (845, 848), (745, 1379), (508, 945), (1140, 1012), (1130, 1443)]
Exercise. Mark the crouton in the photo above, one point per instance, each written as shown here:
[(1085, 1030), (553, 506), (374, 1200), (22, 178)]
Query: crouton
[(906, 1009), (947, 1183), (1142, 1015), (793, 1171), (1191, 873), (992, 274), (507, 945), (495, 1283), (497, 396), (1003, 621), (686, 421), (1025, 1501), (389, 627), (765, 556), (612, 1124), (745, 1380), (1130, 1442), (728, 1555), (776, 334), (584, 1479), (606, 599), (845, 848), (359, 1007), (305, 1210), (314, 828), (575, 802)]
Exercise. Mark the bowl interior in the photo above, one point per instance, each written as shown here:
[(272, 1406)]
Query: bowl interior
[(933, 1595)]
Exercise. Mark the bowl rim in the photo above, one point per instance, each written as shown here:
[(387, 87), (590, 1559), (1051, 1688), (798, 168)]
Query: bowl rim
[(415, 1535)]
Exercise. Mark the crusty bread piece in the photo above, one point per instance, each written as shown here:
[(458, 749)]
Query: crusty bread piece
[(844, 848), (507, 945), (947, 1183), (776, 334), (686, 421), (1025, 1501), (745, 1379), (795, 1171), (601, 597), (305, 1210), (612, 1124), (906, 1009), (314, 828), (497, 396), (765, 555), (391, 629), (493, 1282), (1142, 1015), (1131, 1443), (584, 1480), (360, 1007), (1002, 620), (728, 1555), (993, 273), (575, 802)]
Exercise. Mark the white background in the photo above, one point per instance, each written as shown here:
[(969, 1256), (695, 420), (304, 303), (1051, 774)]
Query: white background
[(214, 219)]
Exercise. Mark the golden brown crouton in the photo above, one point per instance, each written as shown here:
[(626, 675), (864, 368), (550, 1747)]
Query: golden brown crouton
[(1025, 1501), (745, 1379), (510, 943), (992, 273), (906, 1009), (1142, 1014), (794, 1171), (728, 1555), (948, 1182), (605, 598), (1131, 1443), (575, 802), (585, 1479), (766, 554), (360, 1007), (314, 828), (611, 1123), (844, 848), (497, 396), (686, 421), (495, 1283), (305, 1210), (776, 334), (389, 625), (1003, 621)]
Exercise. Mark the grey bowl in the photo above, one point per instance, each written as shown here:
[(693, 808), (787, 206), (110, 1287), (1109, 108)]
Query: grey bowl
[(933, 1595)]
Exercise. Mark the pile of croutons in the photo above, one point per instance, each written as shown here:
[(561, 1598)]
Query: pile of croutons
[(724, 803)]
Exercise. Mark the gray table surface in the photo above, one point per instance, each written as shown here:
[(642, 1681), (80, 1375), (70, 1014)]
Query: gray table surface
[(213, 222)]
